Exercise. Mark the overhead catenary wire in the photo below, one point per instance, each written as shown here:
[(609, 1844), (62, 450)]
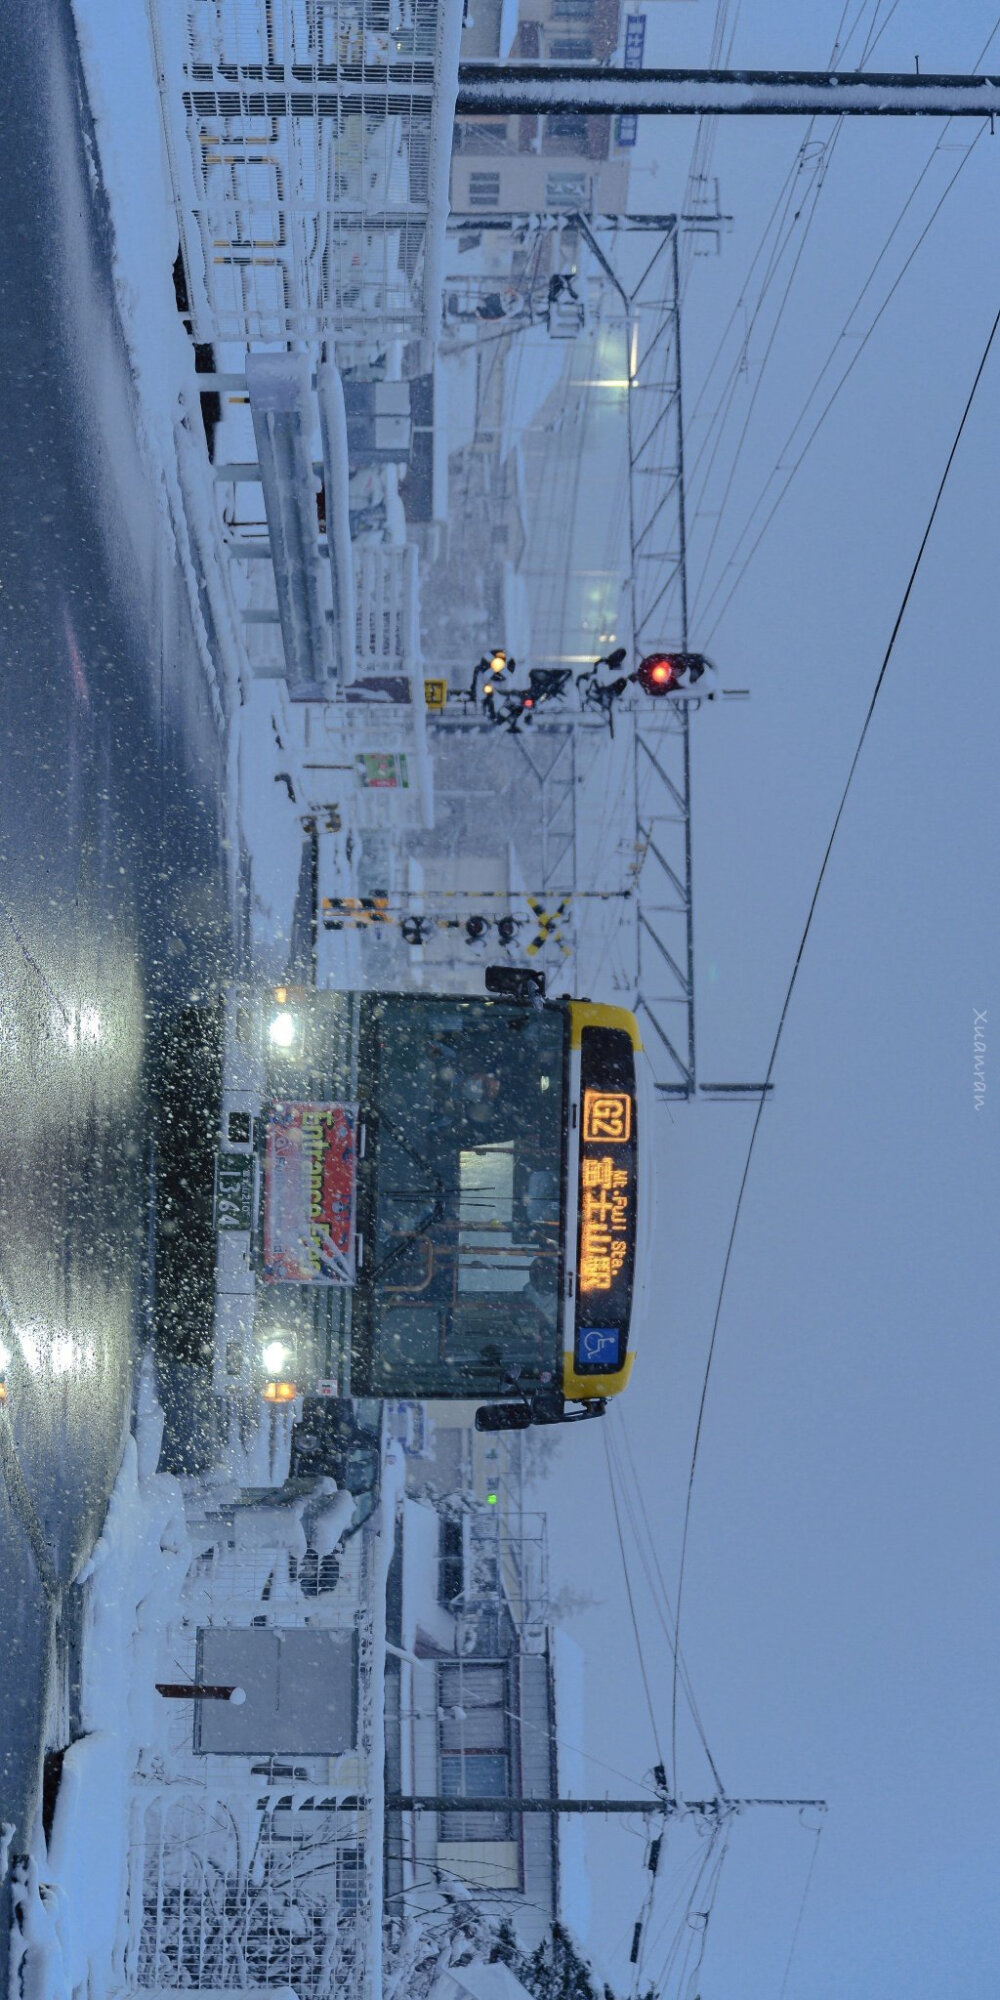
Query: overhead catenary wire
[(818, 158), (795, 467), (632, 1611), (807, 927), (781, 203), (818, 1832), (703, 604), (661, 1604)]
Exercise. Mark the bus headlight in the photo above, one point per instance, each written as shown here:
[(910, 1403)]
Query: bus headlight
[(277, 1357), (282, 1030)]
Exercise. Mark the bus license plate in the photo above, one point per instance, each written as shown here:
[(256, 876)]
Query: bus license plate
[(233, 1191)]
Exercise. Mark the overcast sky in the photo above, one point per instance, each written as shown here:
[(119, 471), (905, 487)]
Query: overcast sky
[(840, 1614)]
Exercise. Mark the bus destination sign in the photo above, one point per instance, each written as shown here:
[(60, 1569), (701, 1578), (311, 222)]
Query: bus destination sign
[(309, 1194), (606, 1224)]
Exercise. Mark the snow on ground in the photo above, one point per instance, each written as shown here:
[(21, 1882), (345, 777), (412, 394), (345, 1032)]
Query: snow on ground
[(121, 85), (131, 169), (270, 813), (69, 1903)]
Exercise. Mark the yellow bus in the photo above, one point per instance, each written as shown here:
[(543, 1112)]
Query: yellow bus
[(427, 1197)]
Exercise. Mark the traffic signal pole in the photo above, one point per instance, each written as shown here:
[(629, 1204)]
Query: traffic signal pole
[(534, 88)]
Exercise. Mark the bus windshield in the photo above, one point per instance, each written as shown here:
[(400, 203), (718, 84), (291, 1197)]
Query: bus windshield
[(464, 1270)]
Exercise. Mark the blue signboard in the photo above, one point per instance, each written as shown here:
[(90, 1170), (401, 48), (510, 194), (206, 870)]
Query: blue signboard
[(635, 40), (598, 1346), (635, 46)]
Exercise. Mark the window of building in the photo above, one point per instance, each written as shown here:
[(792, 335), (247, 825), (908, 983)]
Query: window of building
[(565, 190), (474, 1748), (568, 129), (484, 190), (452, 1558), (573, 10), (480, 135), (350, 1878), (572, 48)]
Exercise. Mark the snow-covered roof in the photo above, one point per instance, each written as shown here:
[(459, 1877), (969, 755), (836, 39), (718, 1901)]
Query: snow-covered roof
[(478, 1982), (421, 1610)]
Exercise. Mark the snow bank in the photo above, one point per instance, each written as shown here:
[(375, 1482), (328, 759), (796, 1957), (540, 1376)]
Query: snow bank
[(117, 57), (132, 171), (72, 1926), (393, 1484), (270, 812)]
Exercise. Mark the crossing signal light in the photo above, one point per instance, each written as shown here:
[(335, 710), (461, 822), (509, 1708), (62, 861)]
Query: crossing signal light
[(663, 673)]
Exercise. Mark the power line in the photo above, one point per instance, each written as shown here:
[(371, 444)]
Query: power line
[(802, 1910), (828, 406), (632, 1612), (661, 1604), (787, 1002), (852, 363), (812, 194)]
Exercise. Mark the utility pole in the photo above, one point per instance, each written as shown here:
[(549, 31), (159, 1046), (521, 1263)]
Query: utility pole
[(531, 89), (326, 90), (663, 1806)]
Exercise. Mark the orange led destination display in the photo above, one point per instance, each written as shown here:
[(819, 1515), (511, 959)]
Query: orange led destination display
[(607, 1117), (604, 1214), (606, 1221)]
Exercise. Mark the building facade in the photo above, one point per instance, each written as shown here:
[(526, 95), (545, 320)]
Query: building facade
[(566, 162)]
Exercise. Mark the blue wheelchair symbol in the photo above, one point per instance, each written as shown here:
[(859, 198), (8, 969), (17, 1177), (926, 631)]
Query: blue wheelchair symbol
[(599, 1344)]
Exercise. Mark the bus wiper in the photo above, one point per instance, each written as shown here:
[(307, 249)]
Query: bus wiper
[(433, 1214)]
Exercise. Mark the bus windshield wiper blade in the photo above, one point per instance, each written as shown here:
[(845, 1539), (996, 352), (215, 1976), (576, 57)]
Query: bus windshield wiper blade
[(433, 1214)]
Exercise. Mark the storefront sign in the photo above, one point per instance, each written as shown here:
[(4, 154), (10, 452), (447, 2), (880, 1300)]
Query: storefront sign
[(382, 771)]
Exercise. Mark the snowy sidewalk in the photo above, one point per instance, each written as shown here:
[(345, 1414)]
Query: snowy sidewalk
[(68, 1902)]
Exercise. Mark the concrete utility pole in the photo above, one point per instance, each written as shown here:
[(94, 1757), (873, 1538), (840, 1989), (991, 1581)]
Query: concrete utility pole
[(325, 90), (530, 88), (663, 1807)]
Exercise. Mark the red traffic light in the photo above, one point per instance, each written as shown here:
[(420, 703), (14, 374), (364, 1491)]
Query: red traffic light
[(663, 673), (657, 673)]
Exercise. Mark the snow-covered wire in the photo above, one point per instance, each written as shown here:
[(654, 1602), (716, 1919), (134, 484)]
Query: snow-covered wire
[(661, 1603), (817, 159), (632, 1611), (801, 1911), (779, 463)]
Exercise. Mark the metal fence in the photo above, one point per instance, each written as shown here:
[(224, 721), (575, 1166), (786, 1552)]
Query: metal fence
[(310, 144), (260, 1872), (235, 1888), (388, 628)]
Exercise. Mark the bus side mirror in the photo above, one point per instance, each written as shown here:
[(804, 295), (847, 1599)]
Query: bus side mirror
[(515, 982), (503, 1417)]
